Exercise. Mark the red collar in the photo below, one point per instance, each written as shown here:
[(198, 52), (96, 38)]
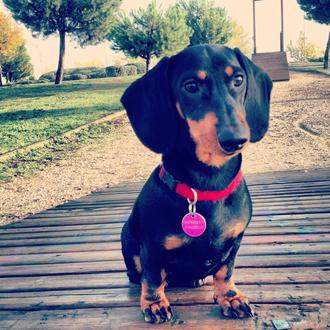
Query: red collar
[(185, 191)]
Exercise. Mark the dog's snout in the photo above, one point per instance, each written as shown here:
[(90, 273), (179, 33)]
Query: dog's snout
[(232, 145)]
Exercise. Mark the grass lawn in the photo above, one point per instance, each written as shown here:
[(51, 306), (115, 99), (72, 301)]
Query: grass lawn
[(309, 67), (31, 113)]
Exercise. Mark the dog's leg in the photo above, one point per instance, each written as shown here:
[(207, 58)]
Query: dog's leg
[(154, 304), (232, 302)]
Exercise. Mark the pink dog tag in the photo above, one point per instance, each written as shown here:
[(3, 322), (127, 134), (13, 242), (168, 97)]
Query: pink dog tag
[(193, 224)]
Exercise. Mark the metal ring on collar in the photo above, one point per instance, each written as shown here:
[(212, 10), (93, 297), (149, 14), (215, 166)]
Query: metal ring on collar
[(195, 197)]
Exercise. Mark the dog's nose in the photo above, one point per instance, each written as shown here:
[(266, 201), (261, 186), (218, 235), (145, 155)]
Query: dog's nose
[(230, 146)]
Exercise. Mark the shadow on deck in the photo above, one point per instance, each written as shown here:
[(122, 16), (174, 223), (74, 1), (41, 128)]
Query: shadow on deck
[(62, 268)]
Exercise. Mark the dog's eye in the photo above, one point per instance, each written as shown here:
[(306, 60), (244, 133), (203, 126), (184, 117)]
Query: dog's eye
[(191, 86), (238, 80)]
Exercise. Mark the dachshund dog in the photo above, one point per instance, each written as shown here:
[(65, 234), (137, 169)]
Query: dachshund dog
[(199, 109)]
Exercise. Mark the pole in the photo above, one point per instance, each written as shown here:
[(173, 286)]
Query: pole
[(282, 29), (254, 28)]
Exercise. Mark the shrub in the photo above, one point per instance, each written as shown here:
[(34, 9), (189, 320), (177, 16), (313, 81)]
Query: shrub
[(112, 71), (129, 70), (94, 75), (75, 76), (140, 67), (121, 70), (319, 59), (50, 76), (24, 82), (41, 81), (71, 74), (84, 70)]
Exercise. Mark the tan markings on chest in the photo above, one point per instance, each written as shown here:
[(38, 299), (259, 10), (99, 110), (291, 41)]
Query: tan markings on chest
[(234, 229), (172, 242)]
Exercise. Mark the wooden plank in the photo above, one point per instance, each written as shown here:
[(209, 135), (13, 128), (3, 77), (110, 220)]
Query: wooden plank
[(303, 192), (98, 217), (115, 228), (77, 219), (109, 265), (254, 186), (279, 239), (76, 230), (114, 236), (64, 240), (289, 191), (106, 206), (285, 194), (60, 248), (257, 198), (82, 223), (319, 204), (99, 246), (259, 178), (294, 186), (119, 279), (60, 258), (68, 268), (115, 254), (198, 317), (301, 201), (92, 298)]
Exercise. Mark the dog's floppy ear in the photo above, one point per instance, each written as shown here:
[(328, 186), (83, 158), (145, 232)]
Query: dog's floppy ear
[(150, 109), (257, 97)]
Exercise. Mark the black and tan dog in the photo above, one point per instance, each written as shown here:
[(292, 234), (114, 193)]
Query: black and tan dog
[(199, 109)]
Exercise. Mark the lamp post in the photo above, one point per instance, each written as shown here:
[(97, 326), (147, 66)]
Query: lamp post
[(254, 28), (282, 29)]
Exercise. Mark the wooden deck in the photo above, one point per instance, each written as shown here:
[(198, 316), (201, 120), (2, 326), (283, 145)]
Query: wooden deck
[(62, 268)]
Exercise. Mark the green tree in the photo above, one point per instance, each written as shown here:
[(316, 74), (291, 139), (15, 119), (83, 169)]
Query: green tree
[(175, 31), (302, 50), (209, 24), (10, 39), (319, 11), (150, 32), (86, 21), (18, 65), (239, 39)]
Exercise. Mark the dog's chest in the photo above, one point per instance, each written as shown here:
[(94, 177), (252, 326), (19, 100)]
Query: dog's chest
[(200, 253), (195, 261)]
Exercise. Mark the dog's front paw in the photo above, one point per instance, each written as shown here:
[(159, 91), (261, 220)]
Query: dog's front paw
[(157, 312), (234, 304)]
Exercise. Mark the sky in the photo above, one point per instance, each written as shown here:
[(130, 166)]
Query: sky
[(44, 52)]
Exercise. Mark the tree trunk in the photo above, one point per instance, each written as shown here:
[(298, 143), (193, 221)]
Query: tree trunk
[(1, 76), (326, 54), (147, 63), (60, 67)]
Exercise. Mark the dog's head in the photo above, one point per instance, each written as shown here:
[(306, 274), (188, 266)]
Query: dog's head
[(217, 94)]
